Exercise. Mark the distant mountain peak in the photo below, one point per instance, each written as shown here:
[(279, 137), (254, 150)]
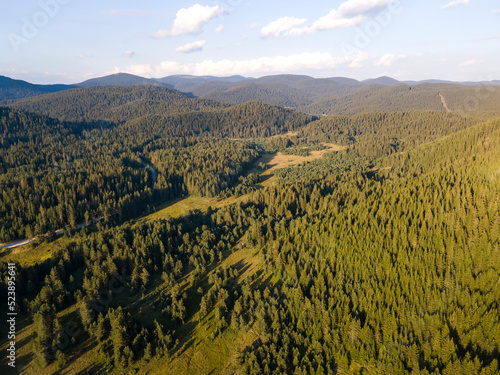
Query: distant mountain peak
[(118, 79), (383, 80)]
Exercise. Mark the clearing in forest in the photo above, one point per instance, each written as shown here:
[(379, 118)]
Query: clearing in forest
[(279, 160), (181, 206)]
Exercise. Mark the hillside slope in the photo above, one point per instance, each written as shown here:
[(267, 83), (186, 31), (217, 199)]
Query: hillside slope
[(115, 103), (345, 272), (13, 89)]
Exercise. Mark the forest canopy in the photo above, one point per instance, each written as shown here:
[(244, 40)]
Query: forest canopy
[(381, 255)]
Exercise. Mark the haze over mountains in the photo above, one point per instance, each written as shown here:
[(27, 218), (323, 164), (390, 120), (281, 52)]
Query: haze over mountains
[(336, 95)]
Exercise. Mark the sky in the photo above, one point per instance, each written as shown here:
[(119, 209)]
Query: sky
[(69, 41)]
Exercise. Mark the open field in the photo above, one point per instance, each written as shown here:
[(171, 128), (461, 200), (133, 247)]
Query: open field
[(181, 206), (279, 160)]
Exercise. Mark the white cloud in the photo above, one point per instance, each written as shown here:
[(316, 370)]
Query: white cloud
[(353, 8), (191, 20), (219, 29), (349, 14), (455, 3), (335, 20), (84, 56), (496, 10), (129, 53), (389, 59), (254, 25), (282, 26), (277, 64), (471, 62), (191, 47), (357, 60)]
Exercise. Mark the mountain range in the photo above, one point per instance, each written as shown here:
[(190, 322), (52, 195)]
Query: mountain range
[(318, 96)]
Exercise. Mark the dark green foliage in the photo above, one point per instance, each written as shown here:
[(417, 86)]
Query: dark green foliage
[(114, 104), (377, 134), (12, 89), (165, 111), (383, 258), (54, 174), (59, 174)]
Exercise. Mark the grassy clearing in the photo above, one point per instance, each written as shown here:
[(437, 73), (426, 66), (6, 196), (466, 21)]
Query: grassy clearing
[(203, 352), (181, 206), (32, 253), (278, 161)]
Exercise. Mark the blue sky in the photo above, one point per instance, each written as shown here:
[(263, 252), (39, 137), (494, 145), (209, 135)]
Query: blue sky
[(68, 41)]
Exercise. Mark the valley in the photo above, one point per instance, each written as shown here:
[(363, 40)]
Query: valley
[(355, 231)]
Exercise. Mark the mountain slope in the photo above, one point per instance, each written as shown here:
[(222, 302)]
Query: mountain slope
[(164, 111), (186, 83), (13, 89), (119, 79), (115, 103), (383, 81), (285, 90), (375, 98)]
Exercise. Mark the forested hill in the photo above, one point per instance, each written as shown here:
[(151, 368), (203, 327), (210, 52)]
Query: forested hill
[(425, 96), (377, 98), (13, 89), (341, 96), (166, 111), (115, 103), (318, 96), (119, 79), (378, 133), (247, 120), (287, 91)]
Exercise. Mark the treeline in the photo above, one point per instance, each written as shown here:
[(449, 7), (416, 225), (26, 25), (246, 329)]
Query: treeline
[(331, 163), (275, 94), (57, 175), (206, 168)]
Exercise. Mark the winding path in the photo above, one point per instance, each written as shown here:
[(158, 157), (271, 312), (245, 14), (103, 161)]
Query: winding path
[(13, 245), (59, 232), (444, 103)]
